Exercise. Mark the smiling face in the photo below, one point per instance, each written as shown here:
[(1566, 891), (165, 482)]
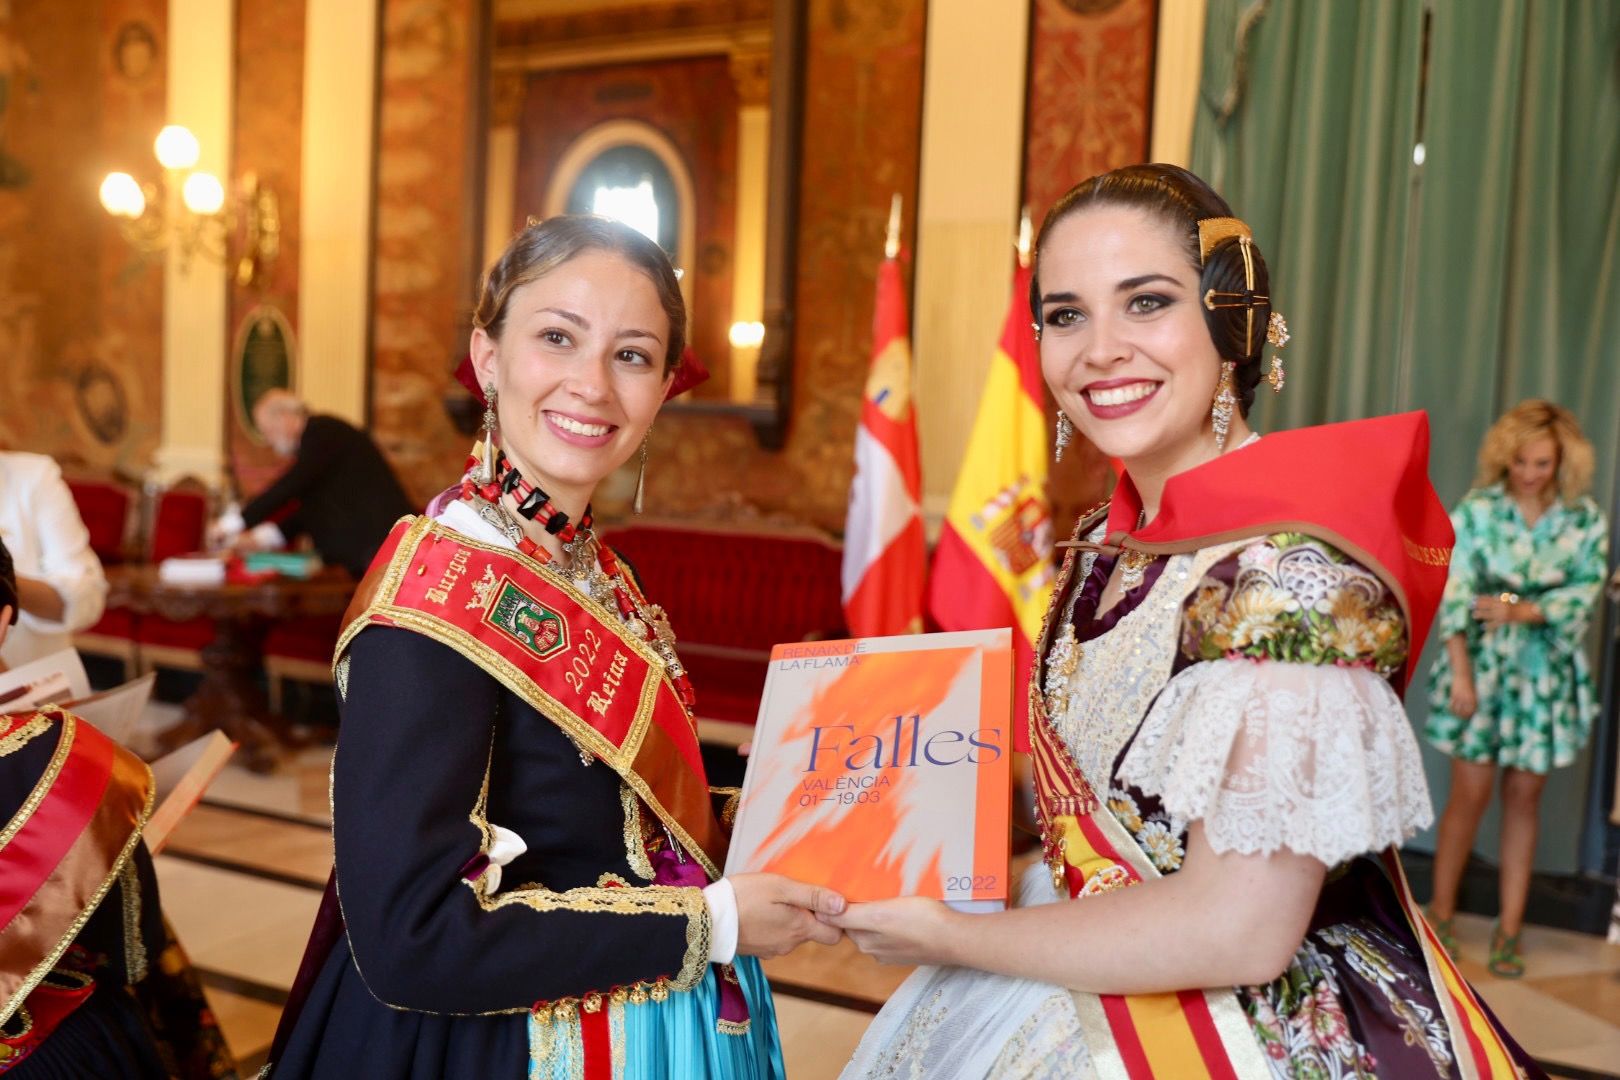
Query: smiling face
[(1533, 468), (580, 370), (1124, 345)]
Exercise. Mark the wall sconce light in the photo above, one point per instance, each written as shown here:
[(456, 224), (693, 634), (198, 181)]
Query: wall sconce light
[(192, 212)]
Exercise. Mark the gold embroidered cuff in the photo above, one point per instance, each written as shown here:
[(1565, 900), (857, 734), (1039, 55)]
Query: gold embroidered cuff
[(699, 931)]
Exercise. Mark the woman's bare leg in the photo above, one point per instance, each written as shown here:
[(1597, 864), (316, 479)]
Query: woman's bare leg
[(1471, 784)]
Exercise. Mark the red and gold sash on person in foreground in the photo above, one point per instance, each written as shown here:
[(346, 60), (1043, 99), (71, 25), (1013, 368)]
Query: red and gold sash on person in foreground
[(566, 655), (59, 855)]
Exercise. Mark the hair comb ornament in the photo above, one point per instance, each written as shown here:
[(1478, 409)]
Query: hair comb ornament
[(1212, 231)]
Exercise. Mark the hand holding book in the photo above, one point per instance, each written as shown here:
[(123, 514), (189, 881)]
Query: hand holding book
[(910, 931), (776, 914)]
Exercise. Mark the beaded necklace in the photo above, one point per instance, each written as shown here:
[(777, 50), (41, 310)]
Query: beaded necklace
[(647, 621), (531, 501)]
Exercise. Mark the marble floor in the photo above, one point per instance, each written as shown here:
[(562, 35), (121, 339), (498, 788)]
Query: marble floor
[(242, 875)]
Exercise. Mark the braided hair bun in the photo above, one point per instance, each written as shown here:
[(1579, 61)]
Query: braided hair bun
[(1182, 200), (1239, 331)]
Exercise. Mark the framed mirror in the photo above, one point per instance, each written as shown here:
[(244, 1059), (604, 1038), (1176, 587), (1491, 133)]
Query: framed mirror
[(680, 117)]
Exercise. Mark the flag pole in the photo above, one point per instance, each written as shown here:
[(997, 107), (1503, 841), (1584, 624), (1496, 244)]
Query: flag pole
[(891, 245), (1025, 237)]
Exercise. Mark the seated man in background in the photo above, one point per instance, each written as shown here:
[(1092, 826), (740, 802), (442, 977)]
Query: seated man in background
[(339, 489), (60, 585), (92, 982)]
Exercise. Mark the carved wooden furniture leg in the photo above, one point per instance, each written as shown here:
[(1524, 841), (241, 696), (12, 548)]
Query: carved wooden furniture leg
[(229, 698)]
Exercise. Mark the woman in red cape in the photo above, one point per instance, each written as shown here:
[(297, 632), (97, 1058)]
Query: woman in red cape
[(1221, 762)]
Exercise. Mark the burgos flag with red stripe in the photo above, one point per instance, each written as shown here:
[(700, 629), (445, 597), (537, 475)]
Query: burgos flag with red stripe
[(885, 554), (993, 565)]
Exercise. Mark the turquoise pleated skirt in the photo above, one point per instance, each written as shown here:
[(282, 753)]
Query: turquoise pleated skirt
[(678, 1038)]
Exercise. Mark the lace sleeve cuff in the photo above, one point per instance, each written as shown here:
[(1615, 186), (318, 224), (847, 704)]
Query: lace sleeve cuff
[(1318, 759)]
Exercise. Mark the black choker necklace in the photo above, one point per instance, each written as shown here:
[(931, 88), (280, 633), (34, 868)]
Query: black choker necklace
[(532, 502)]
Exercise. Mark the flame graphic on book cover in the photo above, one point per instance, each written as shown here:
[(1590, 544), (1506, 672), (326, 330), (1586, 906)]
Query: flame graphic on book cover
[(883, 773)]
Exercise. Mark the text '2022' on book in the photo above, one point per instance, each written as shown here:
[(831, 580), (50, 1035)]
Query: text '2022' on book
[(881, 767)]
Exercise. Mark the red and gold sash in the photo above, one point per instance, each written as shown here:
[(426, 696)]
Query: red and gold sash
[(562, 652), (62, 851), (1196, 1034)]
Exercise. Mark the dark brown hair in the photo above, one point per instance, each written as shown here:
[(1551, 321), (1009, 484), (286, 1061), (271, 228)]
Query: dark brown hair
[(1181, 200), (546, 245), (8, 582)]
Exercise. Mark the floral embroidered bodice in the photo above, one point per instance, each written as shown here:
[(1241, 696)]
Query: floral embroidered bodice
[(1245, 685)]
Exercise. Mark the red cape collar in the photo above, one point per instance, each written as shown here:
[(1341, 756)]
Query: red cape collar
[(1362, 485)]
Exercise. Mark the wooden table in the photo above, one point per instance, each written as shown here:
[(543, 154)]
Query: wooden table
[(229, 698)]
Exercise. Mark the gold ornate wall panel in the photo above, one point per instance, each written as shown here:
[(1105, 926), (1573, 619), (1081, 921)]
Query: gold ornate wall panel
[(269, 142), (1089, 104), (81, 92), (1090, 92), (861, 133), (428, 188)]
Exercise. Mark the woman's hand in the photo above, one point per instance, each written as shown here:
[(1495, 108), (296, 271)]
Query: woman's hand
[(776, 914), (1464, 701), (1495, 611), (910, 930)]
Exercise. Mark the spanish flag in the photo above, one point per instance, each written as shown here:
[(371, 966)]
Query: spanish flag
[(993, 564), (885, 553)]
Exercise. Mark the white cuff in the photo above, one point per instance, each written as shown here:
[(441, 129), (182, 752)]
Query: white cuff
[(722, 901), (268, 535)]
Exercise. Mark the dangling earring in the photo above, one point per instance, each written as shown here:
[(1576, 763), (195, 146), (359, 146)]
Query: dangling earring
[(1277, 335), (490, 423), (1065, 434), (641, 476), (1220, 414)]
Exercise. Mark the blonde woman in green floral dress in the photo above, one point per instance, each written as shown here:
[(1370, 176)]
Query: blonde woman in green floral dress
[(1512, 692)]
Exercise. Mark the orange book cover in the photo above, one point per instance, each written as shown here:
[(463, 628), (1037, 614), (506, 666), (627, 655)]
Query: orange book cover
[(881, 767)]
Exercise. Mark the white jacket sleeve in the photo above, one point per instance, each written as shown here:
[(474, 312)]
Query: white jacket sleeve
[(66, 562)]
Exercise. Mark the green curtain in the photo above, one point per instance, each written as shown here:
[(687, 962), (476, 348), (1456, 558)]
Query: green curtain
[(1487, 273), (1305, 124)]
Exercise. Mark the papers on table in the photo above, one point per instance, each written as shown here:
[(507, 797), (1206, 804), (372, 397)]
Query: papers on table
[(193, 570)]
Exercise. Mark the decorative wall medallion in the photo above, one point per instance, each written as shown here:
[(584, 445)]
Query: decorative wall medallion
[(102, 403), (264, 358), (135, 51)]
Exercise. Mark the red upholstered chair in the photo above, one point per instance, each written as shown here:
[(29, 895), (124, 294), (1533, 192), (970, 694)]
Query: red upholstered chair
[(179, 521), (104, 506), (732, 593), (179, 524), (299, 648)]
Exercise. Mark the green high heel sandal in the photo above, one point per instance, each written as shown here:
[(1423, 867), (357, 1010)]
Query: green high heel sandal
[(1506, 961), (1445, 932)]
